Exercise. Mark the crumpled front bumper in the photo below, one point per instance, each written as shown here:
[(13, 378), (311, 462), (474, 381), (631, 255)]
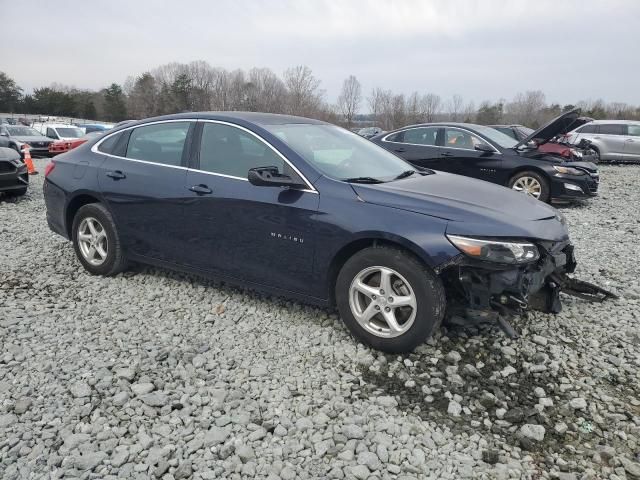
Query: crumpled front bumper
[(481, 292)]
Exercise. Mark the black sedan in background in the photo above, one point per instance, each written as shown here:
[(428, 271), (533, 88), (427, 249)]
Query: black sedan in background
[(482, 152), (14, 179)]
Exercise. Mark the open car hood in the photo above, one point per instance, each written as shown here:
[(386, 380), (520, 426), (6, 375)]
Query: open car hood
[(558, 126), (473, 207)]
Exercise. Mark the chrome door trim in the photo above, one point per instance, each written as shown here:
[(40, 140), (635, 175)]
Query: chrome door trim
[(94, 149)]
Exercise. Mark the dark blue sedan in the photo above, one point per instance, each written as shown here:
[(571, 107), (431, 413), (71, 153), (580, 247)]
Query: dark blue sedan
[(310, 211)]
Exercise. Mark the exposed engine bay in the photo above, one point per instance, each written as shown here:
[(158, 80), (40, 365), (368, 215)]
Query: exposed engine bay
[(486, 292)]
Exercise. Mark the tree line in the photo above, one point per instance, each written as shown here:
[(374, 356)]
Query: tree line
[(198, 86)]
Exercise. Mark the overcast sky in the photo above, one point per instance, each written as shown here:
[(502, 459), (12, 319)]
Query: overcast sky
[(570, 49)]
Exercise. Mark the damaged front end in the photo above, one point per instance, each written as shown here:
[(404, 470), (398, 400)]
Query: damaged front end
[(486, 287)]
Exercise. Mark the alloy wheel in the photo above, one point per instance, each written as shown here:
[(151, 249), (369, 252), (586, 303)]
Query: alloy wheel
[(528, 185), (382, 302), (92, 240)]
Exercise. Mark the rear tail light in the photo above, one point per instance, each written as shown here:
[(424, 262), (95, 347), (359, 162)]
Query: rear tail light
[(49, 168)]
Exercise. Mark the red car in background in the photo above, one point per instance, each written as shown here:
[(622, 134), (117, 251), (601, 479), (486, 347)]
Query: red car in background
[(61, 146)]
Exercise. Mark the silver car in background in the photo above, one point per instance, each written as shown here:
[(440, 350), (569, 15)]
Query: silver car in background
[(613, 140)]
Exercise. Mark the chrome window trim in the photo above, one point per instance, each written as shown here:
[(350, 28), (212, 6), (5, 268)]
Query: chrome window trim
[(384, 139), (96, 145)]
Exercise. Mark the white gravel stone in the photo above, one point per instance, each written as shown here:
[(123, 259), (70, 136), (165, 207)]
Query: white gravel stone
[(156, 374)]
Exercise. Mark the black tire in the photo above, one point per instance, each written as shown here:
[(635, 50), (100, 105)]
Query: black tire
[(115, 260), (544, 183), (427, 287)]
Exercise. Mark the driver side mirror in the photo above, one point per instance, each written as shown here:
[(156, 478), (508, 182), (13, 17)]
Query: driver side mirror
[(483, 147), (271, 177)]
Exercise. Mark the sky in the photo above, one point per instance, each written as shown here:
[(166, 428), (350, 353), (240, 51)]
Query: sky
[(480, 49)]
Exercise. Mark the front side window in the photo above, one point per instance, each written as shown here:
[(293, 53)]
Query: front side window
[(634, 130), (51, 133), (228, 150), (70, 132), (455, 138), (161, 143), (591, 128), (338, 153), (612, 129), (507, 131), (420, 136)]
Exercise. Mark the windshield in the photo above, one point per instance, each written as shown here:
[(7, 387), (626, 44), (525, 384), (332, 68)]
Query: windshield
[(23, 132), (501, 139), (338, 153), (70, 132)]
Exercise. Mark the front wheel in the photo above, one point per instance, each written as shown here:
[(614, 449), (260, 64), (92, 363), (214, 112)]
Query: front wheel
[(389, 300), (96, 241), (532, 184)]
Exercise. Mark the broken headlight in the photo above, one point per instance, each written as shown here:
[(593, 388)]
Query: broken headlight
[(496, 251)]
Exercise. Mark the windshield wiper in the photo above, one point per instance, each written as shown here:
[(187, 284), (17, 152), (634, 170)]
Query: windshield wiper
[(362, 180), (405, 174)]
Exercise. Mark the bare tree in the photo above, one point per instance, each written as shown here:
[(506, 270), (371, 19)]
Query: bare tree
[(454, 107), (430, 106), (305, 96), (349, 99), (375, 101), (526, 108)]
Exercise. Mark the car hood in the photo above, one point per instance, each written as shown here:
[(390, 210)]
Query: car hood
[(565, 123), (473, 207), (31, 138)]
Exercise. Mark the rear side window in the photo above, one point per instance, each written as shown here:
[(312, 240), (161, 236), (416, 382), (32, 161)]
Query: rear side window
[(591, 128), (109, 144), (612, 129), (634, 130), (420, 136), (231, 151), (161, 143)]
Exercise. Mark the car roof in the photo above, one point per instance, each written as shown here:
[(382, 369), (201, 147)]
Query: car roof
[(251, 117), (56, 125), (624, 122)]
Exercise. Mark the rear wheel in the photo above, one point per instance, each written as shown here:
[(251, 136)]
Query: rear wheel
[(96, 241), (389, 300), (532, 184)]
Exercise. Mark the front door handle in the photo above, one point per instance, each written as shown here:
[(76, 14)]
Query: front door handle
[(446, 154), (116, 175), (201, 189)]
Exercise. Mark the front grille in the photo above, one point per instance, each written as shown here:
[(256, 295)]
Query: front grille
[(6, 167)]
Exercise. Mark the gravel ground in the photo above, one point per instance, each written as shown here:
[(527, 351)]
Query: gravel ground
[(153, 374)]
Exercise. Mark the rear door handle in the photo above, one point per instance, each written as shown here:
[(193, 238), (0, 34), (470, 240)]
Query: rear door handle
[(116, 175), (400, 150), (446, 154), (201, 189)]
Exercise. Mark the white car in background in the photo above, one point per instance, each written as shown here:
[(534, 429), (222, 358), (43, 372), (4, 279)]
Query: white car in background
[(59, 131), (612, 140)]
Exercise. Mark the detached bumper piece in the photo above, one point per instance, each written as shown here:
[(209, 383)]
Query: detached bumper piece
[(484, 292)]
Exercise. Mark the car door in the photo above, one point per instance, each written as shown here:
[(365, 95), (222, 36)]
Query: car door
[(417, 145), (458, 151), (632, 143), (142, 180), (257, 234), (612, 135)]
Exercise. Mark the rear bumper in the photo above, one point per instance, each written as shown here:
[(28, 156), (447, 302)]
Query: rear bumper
[(55, 199)]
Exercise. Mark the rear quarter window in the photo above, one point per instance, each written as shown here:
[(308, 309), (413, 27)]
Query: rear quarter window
[(109, 145)]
